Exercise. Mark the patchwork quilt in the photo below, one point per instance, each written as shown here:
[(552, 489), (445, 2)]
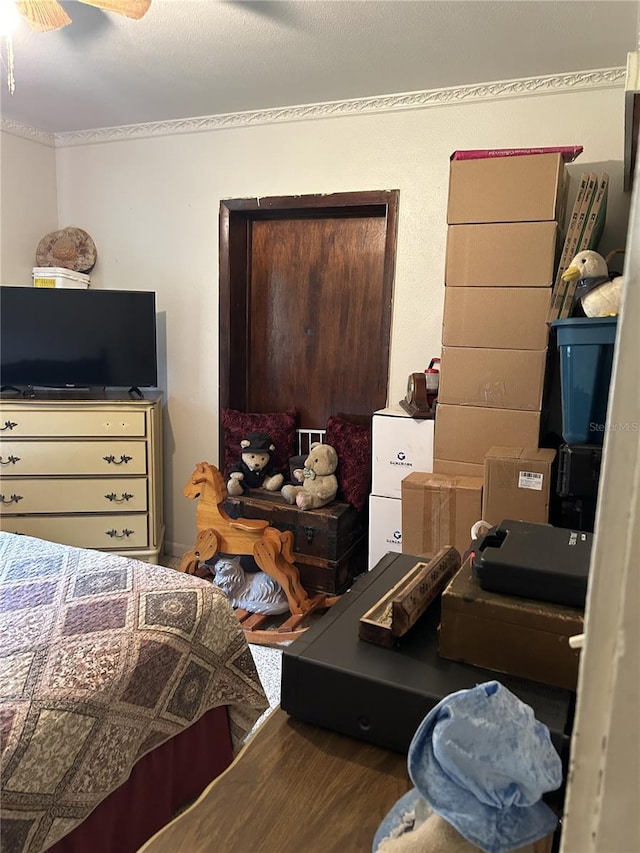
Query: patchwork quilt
[(102, 658)]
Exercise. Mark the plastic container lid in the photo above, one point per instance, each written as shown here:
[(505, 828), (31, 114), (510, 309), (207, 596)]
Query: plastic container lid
[(52, 272), (586, 330)]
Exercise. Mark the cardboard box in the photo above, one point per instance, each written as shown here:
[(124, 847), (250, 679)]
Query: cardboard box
[(512, 254), (496, 378), (496, 317), (465, 433), (507, 189), (458, 469), (517, 636), (385, 528), (400, 444), (439, 510), (517, 484)]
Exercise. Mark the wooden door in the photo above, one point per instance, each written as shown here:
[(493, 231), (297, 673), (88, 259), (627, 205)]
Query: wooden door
[(306, 289)]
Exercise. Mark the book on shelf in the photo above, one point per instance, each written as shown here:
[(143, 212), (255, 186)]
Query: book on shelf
[(559, 286), (590, 237)]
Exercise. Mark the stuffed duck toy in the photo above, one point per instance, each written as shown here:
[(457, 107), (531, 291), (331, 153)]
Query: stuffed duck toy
[(599, 293)]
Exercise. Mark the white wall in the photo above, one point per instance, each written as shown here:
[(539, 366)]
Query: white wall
[(152, 204), (28, 204)]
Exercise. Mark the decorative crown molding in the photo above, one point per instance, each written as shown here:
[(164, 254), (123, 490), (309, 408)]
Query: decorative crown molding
[(604, 78), (16, 128)]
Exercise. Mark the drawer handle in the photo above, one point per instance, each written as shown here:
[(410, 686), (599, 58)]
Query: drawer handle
[(113, 461), (119, 500), (8, 425), (309, 531), (10, 460), (12, 500), (115, 535)]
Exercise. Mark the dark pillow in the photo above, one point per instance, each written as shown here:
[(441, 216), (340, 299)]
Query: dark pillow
[(352, 442), (280, 426)]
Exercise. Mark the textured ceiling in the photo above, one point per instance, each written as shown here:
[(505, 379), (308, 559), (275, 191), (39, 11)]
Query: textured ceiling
[(189, 58)]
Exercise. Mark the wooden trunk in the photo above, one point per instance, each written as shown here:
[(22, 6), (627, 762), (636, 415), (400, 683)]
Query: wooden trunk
[(328, 532), (332, 576), (509, 634), (329, 543)]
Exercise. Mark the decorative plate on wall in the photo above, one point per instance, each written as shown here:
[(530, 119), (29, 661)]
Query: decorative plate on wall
[(71, 248)]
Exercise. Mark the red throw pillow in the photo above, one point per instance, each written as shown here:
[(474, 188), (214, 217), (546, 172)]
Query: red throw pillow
[(280, 426), (352, 443)]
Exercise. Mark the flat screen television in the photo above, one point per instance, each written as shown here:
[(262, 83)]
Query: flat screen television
[(73, 338)]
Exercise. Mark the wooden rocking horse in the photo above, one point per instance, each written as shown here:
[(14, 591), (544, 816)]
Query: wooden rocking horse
[(272, 550)]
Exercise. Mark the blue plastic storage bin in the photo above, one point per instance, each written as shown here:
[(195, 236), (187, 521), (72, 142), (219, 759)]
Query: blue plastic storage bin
[(586, 358)]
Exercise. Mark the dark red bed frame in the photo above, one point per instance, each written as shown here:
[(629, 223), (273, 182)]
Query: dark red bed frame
[(170, 776)]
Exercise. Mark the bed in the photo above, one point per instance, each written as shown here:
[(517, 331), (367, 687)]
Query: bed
[(125, 688)]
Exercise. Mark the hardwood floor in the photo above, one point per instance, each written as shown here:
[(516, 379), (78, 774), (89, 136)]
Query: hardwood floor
[(295, 788)]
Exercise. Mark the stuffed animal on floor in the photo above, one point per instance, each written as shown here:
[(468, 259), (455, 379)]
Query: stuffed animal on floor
[(255, 469), (253, 591), (319, 483), (480, 763)]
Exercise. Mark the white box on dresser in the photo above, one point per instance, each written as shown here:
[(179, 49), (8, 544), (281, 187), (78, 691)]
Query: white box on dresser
[(400, 444), (84, 471)]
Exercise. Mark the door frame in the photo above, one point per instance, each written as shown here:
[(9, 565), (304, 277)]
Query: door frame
[(236, 217)]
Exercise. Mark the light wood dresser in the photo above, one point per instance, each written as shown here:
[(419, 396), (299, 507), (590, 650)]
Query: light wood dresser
[(84, 471)]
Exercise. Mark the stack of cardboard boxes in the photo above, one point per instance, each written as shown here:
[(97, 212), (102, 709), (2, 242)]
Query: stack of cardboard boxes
[(504, 215)]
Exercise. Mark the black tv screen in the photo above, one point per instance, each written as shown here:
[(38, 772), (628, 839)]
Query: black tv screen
[(67, 338)]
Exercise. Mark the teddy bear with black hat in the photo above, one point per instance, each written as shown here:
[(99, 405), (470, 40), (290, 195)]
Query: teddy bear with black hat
[(256, 468)]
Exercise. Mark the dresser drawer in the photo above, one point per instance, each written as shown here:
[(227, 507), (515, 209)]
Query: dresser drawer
[(114, 533), (72, 457), (32, 495), (84, 470), (19, 423)]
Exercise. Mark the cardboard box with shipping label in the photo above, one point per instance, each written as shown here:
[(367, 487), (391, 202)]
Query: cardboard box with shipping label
[(511, 254), (517, 484), (530, 188), (529, 639), (400, 444), (465, 433), (496, 317), (439, 510), (496, 378)]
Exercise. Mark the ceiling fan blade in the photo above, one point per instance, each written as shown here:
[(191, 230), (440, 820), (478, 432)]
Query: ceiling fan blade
[(135, 9), (43, 15)]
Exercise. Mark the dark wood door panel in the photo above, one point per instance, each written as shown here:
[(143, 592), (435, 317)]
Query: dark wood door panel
[(305, 300), (317, 305)]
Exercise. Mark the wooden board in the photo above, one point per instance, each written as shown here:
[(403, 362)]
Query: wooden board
[(264, 630), (399, 609)]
